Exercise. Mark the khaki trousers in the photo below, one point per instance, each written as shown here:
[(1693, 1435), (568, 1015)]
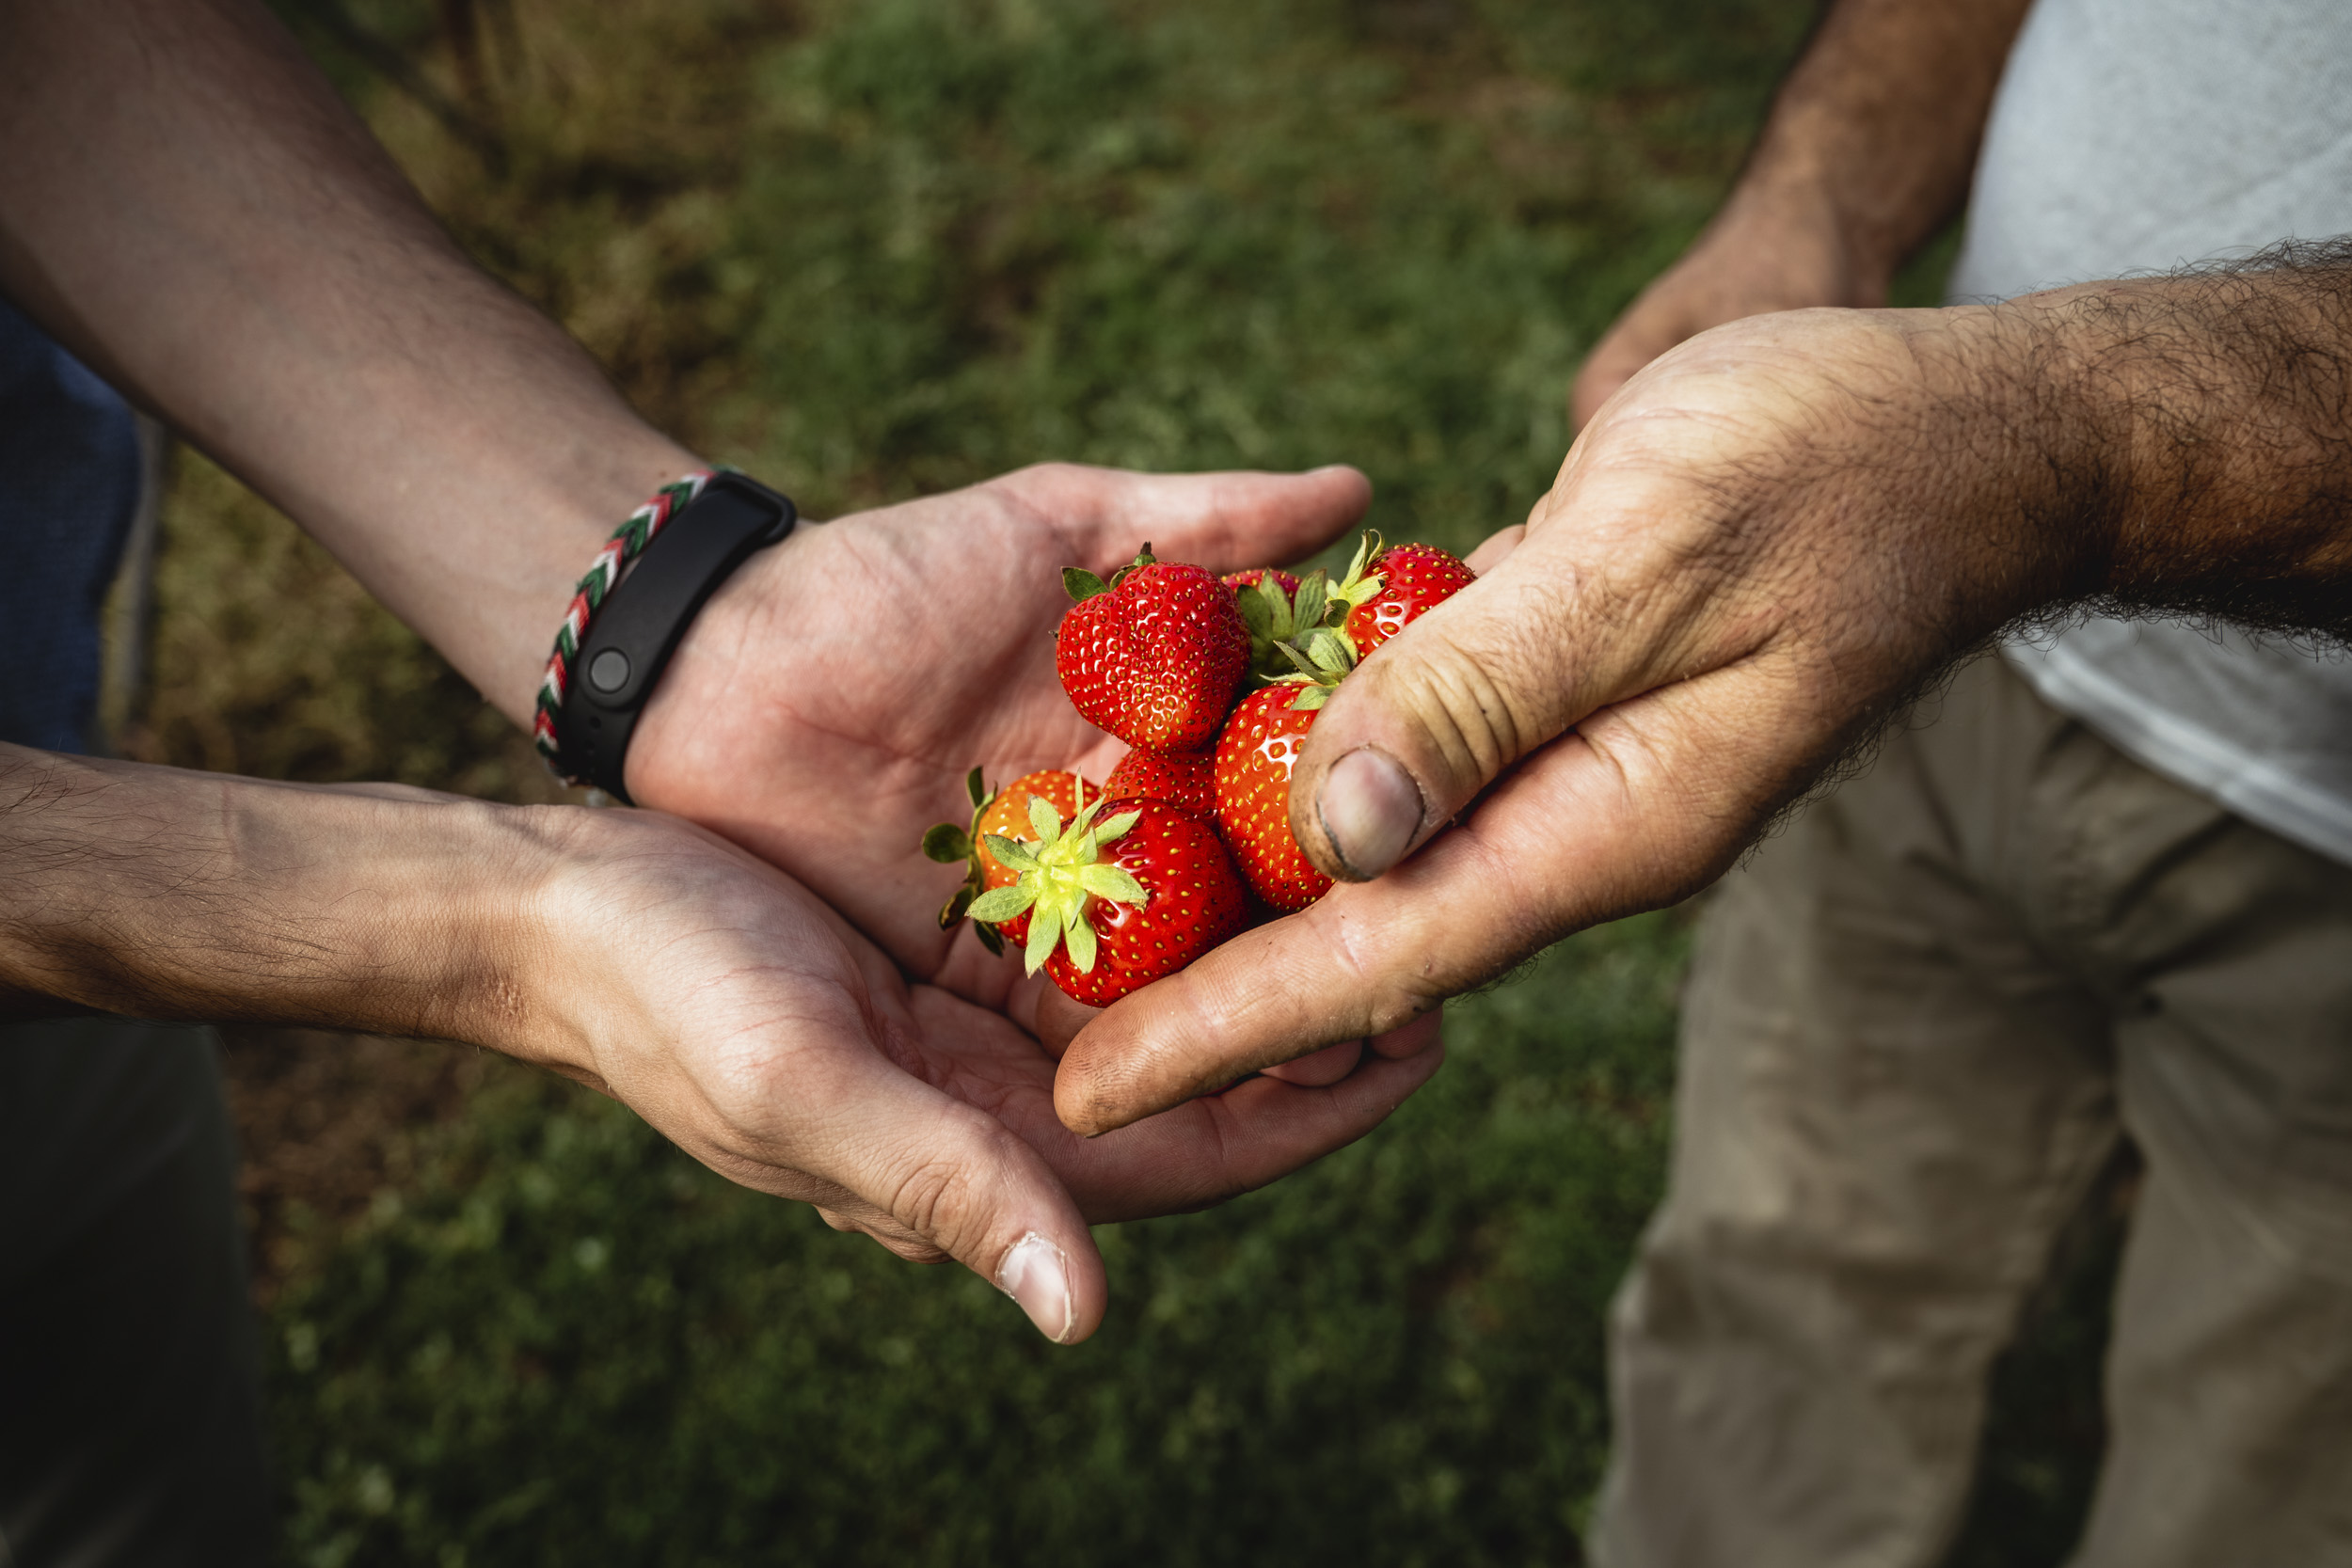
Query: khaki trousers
[(1919, 1021)]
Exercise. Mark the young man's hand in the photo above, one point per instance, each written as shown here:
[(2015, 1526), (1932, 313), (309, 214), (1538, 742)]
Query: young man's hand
[(769, 1040), (634, 952)]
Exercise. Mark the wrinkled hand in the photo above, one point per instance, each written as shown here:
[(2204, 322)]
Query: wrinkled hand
[(1760, 547), (752, 1025)]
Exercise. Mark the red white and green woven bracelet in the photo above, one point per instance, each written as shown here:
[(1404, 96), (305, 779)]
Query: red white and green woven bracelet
[(628, 543)]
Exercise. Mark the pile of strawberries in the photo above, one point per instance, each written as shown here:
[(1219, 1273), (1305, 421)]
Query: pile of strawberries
[(1213, 682)]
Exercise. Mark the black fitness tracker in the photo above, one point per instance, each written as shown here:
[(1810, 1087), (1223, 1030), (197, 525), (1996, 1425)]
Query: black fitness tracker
[(646, 615)]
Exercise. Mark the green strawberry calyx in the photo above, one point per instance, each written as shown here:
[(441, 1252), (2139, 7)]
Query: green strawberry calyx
[(1082, 585), (948, 844), (1275, 617), (1058, 874), (1322, 659), (1285, 641), (1359, 586)]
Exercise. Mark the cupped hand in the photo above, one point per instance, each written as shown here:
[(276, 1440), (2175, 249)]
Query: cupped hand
[(757, 1030), (1764, 544), (828, 702)]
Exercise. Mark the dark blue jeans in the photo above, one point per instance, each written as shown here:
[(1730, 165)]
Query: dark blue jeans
[(130, 1427), (69, 483)]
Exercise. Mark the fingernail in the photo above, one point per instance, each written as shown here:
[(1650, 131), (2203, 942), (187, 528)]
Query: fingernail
[(1037, 1276), (1370, 809)]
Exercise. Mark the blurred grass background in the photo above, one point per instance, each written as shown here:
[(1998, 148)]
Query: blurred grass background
[(866, 249)]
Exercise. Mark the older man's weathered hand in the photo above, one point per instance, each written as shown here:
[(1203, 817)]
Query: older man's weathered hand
[(1760, 547)]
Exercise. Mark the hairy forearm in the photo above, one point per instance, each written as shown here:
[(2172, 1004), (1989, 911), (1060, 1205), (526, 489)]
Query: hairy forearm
[(187, 205), (1875, 132), (2199, 431), (162, 894)]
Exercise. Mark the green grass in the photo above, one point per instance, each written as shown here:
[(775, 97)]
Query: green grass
[(873, 248)]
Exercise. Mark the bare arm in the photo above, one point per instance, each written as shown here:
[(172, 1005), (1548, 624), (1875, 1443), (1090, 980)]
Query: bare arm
[(1867, 151), (637, 954), (163, 894), (188, 204)]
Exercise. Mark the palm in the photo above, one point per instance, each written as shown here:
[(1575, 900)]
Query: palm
[(853, 677), (787, 1052)]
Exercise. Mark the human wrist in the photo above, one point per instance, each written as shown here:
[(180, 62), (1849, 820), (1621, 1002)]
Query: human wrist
[(573, 511), (616, 640), (771, 612)]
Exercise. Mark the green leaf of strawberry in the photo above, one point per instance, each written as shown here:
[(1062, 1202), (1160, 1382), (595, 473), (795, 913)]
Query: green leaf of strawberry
[(982, 845), (1361, 583)]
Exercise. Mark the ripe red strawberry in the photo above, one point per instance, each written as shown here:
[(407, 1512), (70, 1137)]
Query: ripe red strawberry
[(1394, 587), (1181, 778), (1005, 814), (1254, 759), (1153, 655), (1115, 905)]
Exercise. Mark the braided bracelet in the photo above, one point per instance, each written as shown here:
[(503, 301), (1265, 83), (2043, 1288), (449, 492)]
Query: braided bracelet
[(628, 543)]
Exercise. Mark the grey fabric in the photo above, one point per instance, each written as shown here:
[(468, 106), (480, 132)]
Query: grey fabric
[(2134, 135), (130, 1424), (1919, 1021)]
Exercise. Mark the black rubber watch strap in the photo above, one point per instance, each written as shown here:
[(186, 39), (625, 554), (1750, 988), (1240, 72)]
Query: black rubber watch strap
[(643, 620)]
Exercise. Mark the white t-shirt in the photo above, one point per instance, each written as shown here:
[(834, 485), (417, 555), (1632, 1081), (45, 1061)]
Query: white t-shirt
[(2134, 135)]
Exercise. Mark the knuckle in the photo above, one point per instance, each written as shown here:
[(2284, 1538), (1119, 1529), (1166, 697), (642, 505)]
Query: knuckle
[(911, 1249), (941, 1196), (928, 1194), (1466, 702)]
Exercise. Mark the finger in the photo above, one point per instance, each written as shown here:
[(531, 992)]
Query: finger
[(1223, 521), (1484, 679), (1059, 1016), (1318, 1068), (1647, 803), (1412, 1039), (910, 1249), (1414, 733), (940, 1173), (1495, 548), (1212, 1148), (1263, 1123)]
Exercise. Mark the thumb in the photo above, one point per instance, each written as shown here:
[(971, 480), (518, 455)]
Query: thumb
[(928, 1171), (1436, 713), (1223, 521)]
